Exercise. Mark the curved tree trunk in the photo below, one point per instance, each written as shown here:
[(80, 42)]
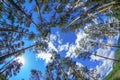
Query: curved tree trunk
[(2, 70)]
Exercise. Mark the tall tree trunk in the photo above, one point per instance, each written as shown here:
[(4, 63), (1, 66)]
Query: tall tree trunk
[(2, 70), (11, 30), (78, 74), (8, 30), (14, 31), (23, 12), (85, 13), (100, 24), (93, 42), (109, 6), (38, 9), (93, 15), (90, 11), (57, 62), (106, 58), (16, 52)]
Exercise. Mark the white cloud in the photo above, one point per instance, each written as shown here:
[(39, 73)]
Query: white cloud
[(53, 37), (79, 64), (45, 56), (52, 47), (71, 52), (80, 35), (63, 47)]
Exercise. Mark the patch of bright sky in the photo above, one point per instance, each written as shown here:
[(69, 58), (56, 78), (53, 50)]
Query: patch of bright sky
[(31, 62)]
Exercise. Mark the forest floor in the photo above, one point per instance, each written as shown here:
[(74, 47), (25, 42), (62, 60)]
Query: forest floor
[(115, 73)]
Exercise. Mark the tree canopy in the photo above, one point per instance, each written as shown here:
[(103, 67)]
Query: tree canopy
[(23, 21)]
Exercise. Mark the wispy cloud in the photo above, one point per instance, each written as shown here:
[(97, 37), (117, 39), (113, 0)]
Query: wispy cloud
[(45, 56), (52, 46)]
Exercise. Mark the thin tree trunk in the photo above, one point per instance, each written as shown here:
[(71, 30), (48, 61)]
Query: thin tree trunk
[(117, 46), (110, 23), (93, 42), (38, 9), (61, 69), (90, 11), (106, 58), (81, 15), (78, 74), (11, 30), (91, 76), (23, 12), (8, 30), (100, 11), (16, 52), (2, 70), (104, 9)]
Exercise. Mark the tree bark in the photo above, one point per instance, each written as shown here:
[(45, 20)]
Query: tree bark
[(23, 12), (16, 52), (117, 46), (38, 9), (106, 58), (2, 68), (78, 74), (81, 15), (8, 30), (90, 11)]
